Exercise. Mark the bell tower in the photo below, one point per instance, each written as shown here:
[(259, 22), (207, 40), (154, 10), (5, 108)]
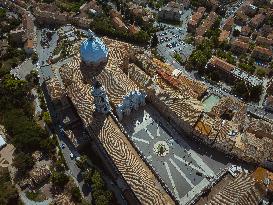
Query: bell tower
[(100, 98)]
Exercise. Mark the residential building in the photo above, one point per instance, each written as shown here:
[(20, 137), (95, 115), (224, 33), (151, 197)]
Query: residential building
[(172, 11), (17, 36), (241, 190), (269, 103), (239, 47), (246, 30), (241, 18), (261, 53), (228, 24), (114, 13), (250, 9), (244, 39), (230, 72), (133, 29), (264, 178), (264, 42), (206, 24), (196, 18), (118, 24), (257, 21), (214, 4)]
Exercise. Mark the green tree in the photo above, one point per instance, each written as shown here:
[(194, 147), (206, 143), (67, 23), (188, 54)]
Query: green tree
[(34, 57), (8, 192), (23, 162), (87, 176), (154, 41), (198, 59), (76, 194), (32, 78), (47, 118), (26, 134), (103, 198), (59, 179), (97, 180), (261, 72), (2, 13), (82, 162)]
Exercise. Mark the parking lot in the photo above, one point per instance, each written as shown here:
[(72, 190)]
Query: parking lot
[(184, 171)]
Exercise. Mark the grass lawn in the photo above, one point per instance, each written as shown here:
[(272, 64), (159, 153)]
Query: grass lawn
[(38, 196), (73, 6)]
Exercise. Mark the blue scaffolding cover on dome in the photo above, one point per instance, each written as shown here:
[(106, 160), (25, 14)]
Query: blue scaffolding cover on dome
[(93, 50)]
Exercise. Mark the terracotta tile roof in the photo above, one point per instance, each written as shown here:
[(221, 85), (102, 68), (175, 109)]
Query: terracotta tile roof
[(237, 44), (187, 86), (264, 177), (241, 190), (262, 41), (244, 39), (246, 30), (257, 20), (224, 36), (206, 24), (221, 64), (228, 24), (263, 51)]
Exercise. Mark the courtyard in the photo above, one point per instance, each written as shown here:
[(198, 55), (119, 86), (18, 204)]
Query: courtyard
[(184, 171)]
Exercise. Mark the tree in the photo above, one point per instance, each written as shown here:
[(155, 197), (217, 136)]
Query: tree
[(23, 162), (76, 194), (97, 181), (103, 198), (154, 42), (2, 13), (59, 179), (34, 57), (236, 32), (8, 192), (261, 72), (26, 134), (87, 176), (33, 78), (47, 118), (255, 92), (82, 162), (198, 59)]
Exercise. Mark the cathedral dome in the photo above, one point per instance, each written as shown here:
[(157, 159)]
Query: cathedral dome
[(93, 51)]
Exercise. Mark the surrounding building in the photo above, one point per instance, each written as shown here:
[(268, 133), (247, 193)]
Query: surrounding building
[(261, 53), (239, 47), (257, 20), (119, 24), (206, 24), (196, 19), (172, 11), (230, 72)]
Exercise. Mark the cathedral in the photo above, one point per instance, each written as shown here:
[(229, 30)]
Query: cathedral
[(94, 56)]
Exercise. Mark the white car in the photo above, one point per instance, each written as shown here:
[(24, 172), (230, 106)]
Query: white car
[(71, 155)]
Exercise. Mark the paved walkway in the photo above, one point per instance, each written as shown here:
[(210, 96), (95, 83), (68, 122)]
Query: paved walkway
[(30, 202)]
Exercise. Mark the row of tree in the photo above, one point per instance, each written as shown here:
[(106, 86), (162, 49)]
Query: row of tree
[(103, 26)]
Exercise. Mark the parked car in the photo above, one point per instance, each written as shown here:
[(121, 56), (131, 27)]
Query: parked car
[(71, 155)]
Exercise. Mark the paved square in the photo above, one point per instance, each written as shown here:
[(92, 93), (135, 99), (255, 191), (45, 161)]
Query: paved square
[(182, 170)]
